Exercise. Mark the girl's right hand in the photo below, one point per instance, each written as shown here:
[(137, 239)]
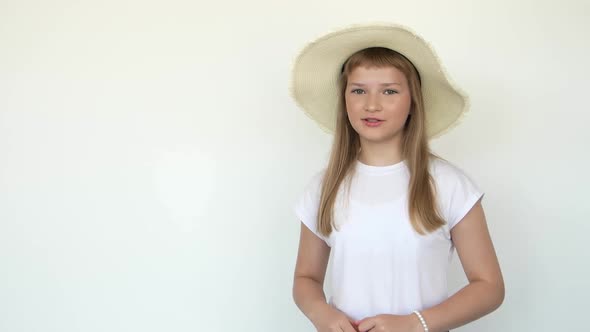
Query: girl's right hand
[(331, 319)]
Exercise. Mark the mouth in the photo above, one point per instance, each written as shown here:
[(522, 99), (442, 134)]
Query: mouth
[(372, 122)]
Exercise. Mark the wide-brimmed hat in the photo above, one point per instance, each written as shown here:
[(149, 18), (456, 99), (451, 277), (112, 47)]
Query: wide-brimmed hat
[(316, 69)]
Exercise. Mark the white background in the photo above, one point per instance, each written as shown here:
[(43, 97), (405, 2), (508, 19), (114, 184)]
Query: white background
[(151, 156)]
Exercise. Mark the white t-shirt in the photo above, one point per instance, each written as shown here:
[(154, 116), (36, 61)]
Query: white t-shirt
[(379, 264)]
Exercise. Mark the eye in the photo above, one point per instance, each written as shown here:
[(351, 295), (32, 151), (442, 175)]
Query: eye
[(390, 92), (357, 91)]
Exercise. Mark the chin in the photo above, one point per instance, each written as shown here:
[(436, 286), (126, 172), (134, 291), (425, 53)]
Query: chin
[(373, 137), (380, 136)]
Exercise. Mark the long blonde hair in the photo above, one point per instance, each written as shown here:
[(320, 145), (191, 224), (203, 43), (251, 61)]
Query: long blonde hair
[(422, 207)]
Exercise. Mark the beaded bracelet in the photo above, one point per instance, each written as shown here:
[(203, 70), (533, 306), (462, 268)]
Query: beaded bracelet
[(422, 321)]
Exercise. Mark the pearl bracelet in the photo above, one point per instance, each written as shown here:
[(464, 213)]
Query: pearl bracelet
[(421, 320)]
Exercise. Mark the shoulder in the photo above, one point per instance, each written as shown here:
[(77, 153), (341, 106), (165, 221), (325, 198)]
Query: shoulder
[(306, 207), (442, 167), (445, 172), (316, 179), (456, 190), (311, 191)]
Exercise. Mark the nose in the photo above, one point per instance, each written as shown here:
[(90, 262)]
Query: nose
[(372, 103)]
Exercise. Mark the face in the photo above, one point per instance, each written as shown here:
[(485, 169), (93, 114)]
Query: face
[(378, 103)]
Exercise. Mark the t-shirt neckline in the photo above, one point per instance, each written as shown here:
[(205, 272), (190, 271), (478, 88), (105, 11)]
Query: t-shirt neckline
[(370, 169)]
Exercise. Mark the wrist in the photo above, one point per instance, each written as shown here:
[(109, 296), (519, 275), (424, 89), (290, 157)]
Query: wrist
[(420, 325), (317, 310), (416, 325)]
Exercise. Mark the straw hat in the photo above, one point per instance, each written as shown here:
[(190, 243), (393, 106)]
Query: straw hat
[(314, 80)]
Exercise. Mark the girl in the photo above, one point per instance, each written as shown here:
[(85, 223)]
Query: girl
[(387, 212)]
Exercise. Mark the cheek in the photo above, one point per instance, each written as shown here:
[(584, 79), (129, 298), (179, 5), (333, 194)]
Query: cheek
[(353, 105), (400, 106)]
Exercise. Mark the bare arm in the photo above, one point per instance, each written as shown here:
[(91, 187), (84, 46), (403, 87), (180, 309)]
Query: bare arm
[(310, 271), (308, 292), (485, 291)]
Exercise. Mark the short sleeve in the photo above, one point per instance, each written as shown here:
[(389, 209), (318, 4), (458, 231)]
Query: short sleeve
[(457, 193), (306, 207)]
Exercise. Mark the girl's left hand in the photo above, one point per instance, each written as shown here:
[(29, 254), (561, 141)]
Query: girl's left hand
[(390, 323)]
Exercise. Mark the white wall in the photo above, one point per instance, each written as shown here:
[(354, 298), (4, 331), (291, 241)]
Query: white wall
[(151, 155)]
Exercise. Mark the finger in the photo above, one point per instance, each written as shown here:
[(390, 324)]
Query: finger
[(348, 328), (367, 325), (355, 323)]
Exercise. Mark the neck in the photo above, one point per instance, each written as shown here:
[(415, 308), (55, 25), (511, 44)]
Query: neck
[(381, 153)]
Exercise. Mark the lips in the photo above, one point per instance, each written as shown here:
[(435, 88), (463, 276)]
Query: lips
[(372, 120)]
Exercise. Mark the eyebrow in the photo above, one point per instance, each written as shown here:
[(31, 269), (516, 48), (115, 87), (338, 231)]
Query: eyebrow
[(382, 84)]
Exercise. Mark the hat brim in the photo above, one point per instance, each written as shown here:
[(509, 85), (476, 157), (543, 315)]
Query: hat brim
[(315, 72)]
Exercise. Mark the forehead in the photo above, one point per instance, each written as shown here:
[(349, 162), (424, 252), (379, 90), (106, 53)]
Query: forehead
[(368, 74)]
